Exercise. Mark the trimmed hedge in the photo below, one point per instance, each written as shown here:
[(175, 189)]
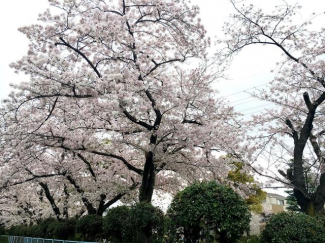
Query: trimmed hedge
[(3, 238), (47, 228), (129, 224), (147, 220), (116, 225), (90, 227), (293, 227)]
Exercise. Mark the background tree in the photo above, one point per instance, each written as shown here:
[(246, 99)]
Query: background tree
[(238, 178), (297, 90), (292, 204)]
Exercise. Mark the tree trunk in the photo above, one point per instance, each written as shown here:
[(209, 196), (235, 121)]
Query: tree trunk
[(311, 204), (145, 236), (223, 237), (51, 200), (298, 178), (145, 194), (65, 204), (149, 175), (148, 180), (146, 188), (319, 195), (90, 208)]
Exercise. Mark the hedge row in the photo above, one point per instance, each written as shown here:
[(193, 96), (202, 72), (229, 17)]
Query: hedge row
[(48, 228), (291, 228), (205, 211), (294, 227), (121, 224)]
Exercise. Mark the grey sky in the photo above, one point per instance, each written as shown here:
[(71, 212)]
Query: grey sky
[(250, 68)]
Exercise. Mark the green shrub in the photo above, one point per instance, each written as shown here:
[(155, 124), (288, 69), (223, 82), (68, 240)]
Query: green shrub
[(2, 230), (117, 226), (250, 239), (62, 229), (207, 207), (293, 227), (321, 219), (3, 238), (32, 231), (70, 227), (47, 228), (148, 221), (90, 226), (42, 228), (55, 230), (131, 224), (19, 230)]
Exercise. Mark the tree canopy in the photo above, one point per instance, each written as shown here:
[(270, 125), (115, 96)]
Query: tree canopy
[(113, 109)]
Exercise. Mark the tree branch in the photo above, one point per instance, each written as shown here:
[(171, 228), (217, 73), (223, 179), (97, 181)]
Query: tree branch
[(81, 54)]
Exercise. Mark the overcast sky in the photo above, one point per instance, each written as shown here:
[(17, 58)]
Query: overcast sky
[(250, 68), (245, 72)]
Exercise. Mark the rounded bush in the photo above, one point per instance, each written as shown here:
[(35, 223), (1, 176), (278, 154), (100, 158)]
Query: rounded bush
[(147, 221), (207, 207), (90, 226), (117, 226), (293, 227), (41, 230), (32, 231), (60, 230), (321, 219), (70, 228)]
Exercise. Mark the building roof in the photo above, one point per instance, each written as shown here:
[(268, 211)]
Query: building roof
[(277, 196)]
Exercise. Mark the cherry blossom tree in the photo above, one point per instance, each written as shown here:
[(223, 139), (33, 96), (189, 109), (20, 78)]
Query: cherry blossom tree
[(113, 100), (23, 205), (70, 180), (298, 93)]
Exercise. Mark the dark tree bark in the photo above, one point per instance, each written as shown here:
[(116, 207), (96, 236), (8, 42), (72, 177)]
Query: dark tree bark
[(105, 205), (65, 204), (51, 200), (90, 208), (149, 175), (310, 203)]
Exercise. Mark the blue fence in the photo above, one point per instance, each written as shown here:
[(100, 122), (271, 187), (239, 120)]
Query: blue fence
[(21, 239)]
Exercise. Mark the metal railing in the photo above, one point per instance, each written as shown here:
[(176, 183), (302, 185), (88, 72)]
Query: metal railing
[(22, 239)]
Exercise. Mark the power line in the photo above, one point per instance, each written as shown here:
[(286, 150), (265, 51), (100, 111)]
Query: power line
[(244, 102), (246, 90), (241, 99), (253, 112), (255, 107)]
